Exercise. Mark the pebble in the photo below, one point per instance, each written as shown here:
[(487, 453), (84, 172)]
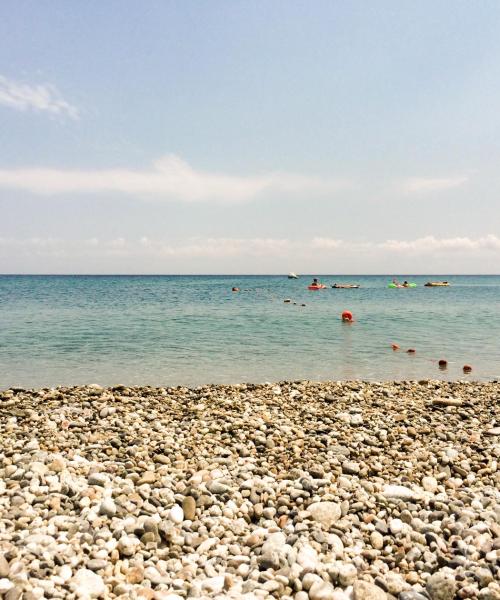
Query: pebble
[(364, 590), (176, 514), (326, 513), (296, 490), (441, 586), (321, 590), (189, 508), (87, 584)]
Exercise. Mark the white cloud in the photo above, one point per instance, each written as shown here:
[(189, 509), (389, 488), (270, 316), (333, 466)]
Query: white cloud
[(170, 178), (250, 247), (429, 184), (432, 244), (40, 98), (326, 243)]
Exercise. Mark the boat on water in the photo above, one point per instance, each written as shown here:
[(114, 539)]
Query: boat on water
[(292, 276), (436, 284), (345, 286)]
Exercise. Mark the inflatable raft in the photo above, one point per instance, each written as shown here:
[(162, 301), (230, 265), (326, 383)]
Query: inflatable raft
[(400, 285), (437, 284)]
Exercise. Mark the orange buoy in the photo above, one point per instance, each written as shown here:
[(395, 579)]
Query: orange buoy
[(443, 363), (411, 351), (395, 347), (467, 369), (347, 316)]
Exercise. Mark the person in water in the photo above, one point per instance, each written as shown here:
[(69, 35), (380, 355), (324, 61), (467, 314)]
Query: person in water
[(315, 283), (405, 284)]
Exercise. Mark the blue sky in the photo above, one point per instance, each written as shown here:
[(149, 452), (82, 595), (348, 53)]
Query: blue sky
[(249, 137)]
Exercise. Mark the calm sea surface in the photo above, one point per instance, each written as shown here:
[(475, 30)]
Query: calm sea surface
[(170, 330)]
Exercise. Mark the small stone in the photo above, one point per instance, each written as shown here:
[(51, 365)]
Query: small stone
[(399, 492), (176, 514), (350, 468), (377, 540), (87, 584), (127, 545), (99, 479), (347, 574), (429, 483), (4, 567), (321, 590), (396, 526), (14, 593), (189, 508), (135, 574), (5, 585), (147, 477), (107, 508), (96, 564), (441, 586), (217, 488), (325, 513)]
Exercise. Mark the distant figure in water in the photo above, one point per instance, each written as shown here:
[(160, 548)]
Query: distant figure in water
[(235, 289), (315, 282), (405, 284)]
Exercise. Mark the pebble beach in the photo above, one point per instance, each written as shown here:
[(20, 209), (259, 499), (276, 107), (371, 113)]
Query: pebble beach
[(293, 490)]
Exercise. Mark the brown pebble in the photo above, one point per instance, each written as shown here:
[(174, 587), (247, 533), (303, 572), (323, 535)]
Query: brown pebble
[(189, 508)]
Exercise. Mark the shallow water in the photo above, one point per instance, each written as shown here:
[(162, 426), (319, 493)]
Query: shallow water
[(169, 330)]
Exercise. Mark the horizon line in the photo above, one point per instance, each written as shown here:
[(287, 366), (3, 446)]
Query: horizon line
[(391, 274)]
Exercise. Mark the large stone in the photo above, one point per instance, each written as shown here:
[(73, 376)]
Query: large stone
[(400, 492), (326, 513), (363, 590)]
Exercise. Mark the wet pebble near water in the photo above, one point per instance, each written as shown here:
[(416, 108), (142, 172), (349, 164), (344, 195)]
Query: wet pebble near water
[(319, 491)]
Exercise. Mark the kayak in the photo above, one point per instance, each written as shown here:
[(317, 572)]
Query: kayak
[(316, 287), (437, 284), (400, 285)]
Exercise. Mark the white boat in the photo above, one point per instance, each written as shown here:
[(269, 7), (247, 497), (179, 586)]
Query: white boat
[(292, 276)]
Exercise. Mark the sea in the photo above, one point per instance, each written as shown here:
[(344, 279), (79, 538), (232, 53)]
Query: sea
[(194, 330)]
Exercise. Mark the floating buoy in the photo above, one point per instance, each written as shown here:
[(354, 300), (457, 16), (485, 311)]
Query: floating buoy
[(467, 369), (235, 289), (411, 351), (347, 316), (443, 363), (395, 347)]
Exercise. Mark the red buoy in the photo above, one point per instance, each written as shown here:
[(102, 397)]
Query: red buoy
[(347, 316)]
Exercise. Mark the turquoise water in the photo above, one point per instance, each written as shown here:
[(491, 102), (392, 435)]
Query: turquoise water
[(170, 330)]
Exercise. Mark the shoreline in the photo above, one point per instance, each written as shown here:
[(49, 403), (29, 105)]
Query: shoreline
[(301, 490)]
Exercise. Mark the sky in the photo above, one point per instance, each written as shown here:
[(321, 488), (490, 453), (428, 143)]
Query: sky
[(261, 136)]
